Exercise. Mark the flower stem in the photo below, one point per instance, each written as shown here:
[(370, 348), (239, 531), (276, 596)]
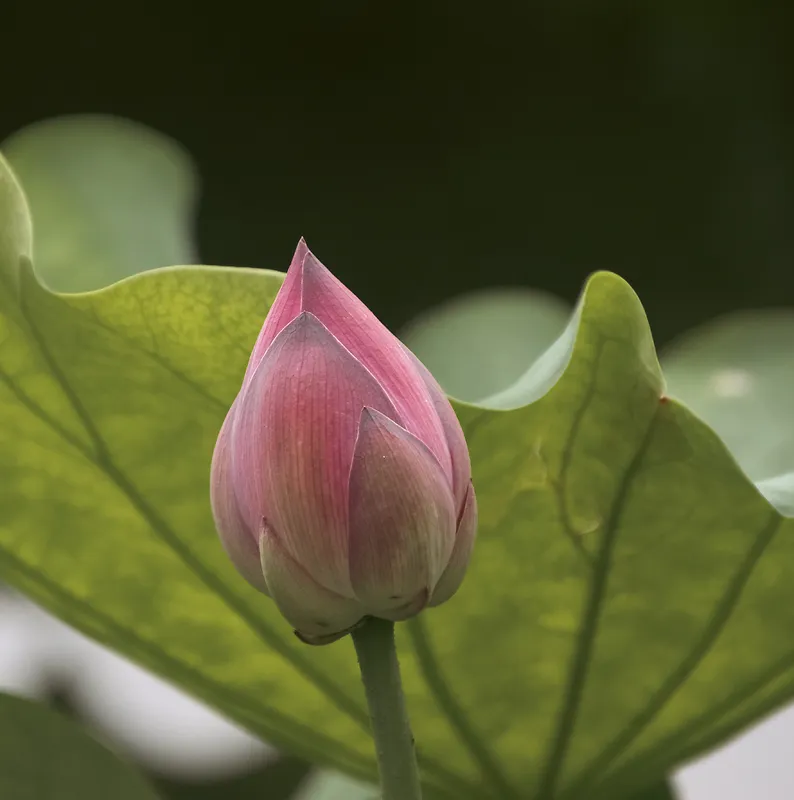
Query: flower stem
[(394, 743)]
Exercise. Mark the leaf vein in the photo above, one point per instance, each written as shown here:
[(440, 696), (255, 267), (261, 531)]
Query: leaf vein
[(588, 628), (711, 632)]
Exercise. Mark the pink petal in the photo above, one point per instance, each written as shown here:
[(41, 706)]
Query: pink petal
[(456, 441), (452, 577), (378, 350), (285, 308), (318, 615), (402, 517), (293, 440), (237, 539)]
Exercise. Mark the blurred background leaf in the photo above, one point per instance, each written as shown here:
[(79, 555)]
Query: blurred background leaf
[(279, 780), (110, 198), (480, 343), (332, 786), (737, 372), (44, 756)]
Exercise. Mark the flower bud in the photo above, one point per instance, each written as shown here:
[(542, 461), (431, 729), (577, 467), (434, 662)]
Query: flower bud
[(341, 482)]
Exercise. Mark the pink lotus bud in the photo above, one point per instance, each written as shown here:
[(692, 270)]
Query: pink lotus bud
[(341, 482)]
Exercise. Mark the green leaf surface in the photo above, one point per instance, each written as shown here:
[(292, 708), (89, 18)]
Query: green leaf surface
[(627, 607), (45, 756), (110, 198), (481, 343)]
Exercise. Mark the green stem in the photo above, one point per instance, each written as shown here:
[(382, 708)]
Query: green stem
[(394, 743)]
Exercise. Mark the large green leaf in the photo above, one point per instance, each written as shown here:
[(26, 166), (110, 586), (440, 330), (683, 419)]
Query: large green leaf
[(44, 756), (110, 197), (628, 604)]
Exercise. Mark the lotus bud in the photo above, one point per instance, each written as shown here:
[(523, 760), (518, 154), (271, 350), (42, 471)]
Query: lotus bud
[(341, 482)]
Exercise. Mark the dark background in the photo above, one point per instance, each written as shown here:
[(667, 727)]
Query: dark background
[(429, 148), (425, 149)]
